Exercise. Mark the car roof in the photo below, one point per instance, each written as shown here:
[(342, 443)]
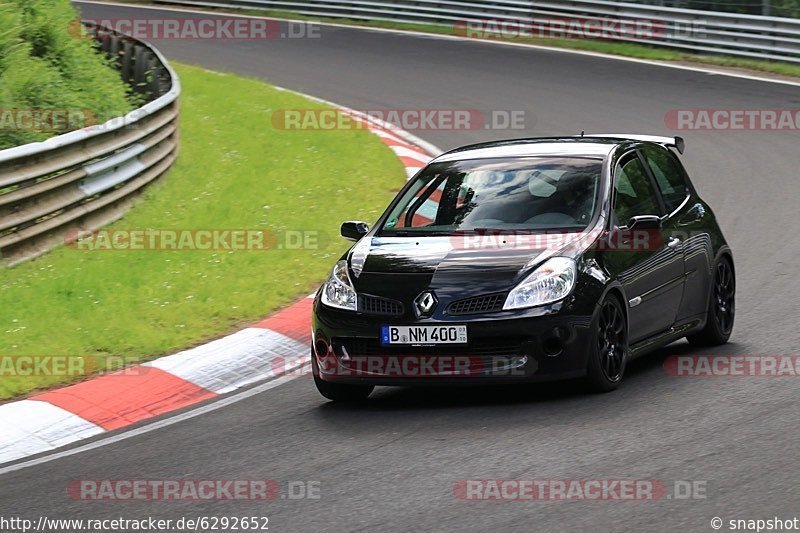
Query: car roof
[(596, 146)]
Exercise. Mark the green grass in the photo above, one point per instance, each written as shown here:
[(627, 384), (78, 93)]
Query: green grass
[(234, 171), (634, 50), (43, 66)]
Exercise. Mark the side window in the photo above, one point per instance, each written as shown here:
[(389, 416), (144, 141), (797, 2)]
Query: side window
[(425, 204), (634, 192), (669, 176)]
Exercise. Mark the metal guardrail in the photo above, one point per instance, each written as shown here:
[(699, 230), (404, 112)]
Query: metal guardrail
[(89, 177), (755, 37)]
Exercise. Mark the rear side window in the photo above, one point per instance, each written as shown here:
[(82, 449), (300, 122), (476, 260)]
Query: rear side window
[(669, 176), (634, 192)]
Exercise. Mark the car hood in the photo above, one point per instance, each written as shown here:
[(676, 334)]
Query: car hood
[(430, 254), (448, 264)]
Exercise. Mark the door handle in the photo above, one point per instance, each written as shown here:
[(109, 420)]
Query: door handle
[(673, 242)]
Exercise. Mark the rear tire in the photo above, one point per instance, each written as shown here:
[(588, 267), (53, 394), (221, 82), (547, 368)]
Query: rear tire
[(721, 308), (339, 392), (609, 349)]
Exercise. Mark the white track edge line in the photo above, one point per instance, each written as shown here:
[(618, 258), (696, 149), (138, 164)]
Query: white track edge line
[(127, 434)]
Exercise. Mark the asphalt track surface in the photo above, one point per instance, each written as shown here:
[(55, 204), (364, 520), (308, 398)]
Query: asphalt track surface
[(391, 463)]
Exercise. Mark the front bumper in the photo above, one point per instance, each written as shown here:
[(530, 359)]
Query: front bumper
[(539, 344)]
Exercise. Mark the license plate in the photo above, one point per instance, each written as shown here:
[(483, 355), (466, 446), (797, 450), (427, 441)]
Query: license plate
[(423, 335)]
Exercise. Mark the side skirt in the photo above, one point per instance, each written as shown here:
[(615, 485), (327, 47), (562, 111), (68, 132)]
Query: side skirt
[(662, 339)]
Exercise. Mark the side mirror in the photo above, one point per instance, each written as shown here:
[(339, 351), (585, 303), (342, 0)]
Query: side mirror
[(353, 230), (644, 222)]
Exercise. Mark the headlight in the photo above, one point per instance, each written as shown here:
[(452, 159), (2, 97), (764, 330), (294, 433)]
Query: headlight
[(549, 283), (338, 290)]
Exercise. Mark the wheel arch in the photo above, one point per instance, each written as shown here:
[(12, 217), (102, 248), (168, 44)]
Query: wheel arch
[(616, 289), (724, 252)]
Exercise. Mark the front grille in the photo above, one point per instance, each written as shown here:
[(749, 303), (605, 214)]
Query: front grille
[(375, 305), (477, 304), (487, 347)]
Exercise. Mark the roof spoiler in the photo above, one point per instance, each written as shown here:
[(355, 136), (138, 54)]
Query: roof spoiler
[(676, 142)]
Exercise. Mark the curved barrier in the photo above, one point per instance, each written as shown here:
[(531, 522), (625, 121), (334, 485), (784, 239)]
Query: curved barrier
[(756, 37), (89, 177)]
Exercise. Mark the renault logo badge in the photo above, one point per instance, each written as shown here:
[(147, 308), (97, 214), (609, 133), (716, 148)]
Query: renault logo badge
[(425, 303)]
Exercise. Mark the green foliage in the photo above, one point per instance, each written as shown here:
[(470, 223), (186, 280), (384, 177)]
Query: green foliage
[(785, 8), (43, 66), (775, 8)]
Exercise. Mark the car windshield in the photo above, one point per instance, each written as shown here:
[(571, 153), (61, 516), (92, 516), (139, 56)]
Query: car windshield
[(527, 194)]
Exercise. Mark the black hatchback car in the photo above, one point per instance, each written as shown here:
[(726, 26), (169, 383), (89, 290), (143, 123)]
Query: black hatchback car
[(525, 260)]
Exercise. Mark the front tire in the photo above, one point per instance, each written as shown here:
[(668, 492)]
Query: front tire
[(339, 392), (721, 308), (609, 349)]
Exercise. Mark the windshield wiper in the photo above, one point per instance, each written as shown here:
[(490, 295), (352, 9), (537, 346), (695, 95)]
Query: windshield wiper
[(401, 233)]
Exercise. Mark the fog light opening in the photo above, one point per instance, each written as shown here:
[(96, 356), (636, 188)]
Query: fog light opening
[(552, 347), (321, 348)]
